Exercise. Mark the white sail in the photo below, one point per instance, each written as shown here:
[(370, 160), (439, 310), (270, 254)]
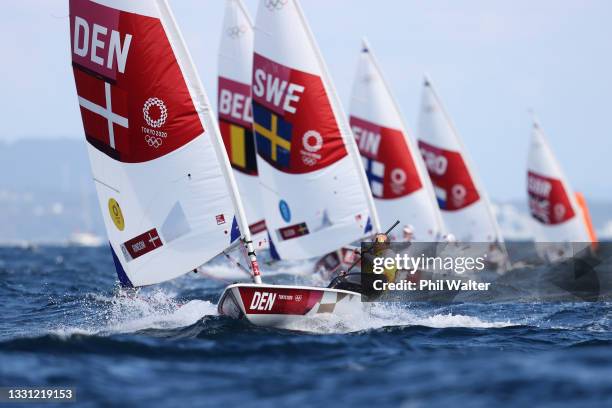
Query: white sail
[(163, 180), (316, 197), (552, 203), (466, 209), (398, 179), (235, 111)]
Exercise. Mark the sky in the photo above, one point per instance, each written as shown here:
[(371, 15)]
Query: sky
[(490, 61)]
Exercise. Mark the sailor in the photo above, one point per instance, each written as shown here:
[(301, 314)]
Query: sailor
[(380, 248), (449, 238), (363, 282), (408, 233)]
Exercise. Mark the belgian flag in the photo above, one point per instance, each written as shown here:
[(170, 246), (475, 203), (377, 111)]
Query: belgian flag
[(240, 147)]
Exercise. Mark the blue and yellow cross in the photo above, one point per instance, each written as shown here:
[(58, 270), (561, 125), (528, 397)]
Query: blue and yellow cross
[(273, 135)]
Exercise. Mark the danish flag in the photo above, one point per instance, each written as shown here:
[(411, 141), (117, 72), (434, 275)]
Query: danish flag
[(104, 112), (141, 244)]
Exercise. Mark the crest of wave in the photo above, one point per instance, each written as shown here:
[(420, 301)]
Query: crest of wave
[(121, 313), (381, 315)]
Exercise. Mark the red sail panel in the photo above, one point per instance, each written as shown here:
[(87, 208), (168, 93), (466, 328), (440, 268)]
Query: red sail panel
[(134, 102), (234, 102), (235, 122), (549, 203), (450, 177), (295, 128), (385, 149)]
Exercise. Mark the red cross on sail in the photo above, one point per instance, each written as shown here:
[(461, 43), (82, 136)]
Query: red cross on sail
[(134, 102), (104, 113), (162, 180)]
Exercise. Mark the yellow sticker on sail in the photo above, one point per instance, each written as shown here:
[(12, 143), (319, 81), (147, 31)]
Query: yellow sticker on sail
[(116, 214)]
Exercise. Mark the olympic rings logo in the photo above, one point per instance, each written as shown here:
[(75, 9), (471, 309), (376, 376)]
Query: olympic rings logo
[(273, 5), (153, 141), (236, 31)]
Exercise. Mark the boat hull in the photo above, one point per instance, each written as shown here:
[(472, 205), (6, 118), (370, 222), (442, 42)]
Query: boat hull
[(286, 306)]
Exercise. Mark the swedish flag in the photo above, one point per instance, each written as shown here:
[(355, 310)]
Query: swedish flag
[(273, 135)]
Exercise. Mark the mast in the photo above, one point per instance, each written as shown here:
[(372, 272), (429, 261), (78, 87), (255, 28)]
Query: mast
[(345, 129), (207, 117), (245, 12)]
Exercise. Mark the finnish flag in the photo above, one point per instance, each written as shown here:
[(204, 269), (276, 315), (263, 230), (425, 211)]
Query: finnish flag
[(375, 171)]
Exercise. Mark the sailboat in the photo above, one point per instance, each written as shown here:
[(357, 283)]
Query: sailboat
[(163, 179), (398, 178), (466, 209), (235, 111), (313, 185), (562, 224)]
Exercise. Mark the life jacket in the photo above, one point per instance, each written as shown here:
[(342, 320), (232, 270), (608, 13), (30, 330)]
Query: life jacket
[(380, 252)]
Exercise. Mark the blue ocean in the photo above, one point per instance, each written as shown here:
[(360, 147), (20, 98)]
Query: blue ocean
[(65, 323)]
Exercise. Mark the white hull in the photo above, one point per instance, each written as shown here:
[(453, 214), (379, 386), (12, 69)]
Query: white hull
[(286, 306)]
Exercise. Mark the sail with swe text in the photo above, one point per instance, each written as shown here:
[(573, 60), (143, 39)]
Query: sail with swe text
[(315, 194)]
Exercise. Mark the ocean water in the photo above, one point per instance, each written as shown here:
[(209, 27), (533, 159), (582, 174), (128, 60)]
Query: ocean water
[(64, 323)]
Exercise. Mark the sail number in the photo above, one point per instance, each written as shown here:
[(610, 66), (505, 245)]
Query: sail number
[(435, 163), (276, 91), (262, 301), (538, 186), (103, 46)]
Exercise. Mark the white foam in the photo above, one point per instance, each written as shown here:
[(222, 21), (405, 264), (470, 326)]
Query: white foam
[(127, 314), (451, 320), (158, 308), (67, 332), (405, 315), (380, 315), (168, 318)]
